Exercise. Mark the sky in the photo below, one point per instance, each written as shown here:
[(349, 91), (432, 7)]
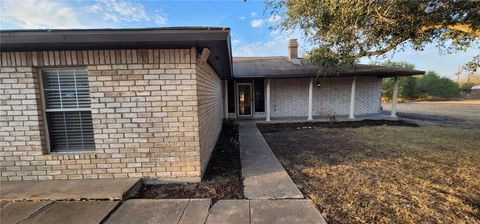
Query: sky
[(249, 21)]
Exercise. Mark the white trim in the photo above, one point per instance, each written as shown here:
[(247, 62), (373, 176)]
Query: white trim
[(251, 99), (68, 109), (394, 98), (44, 107), (45, 110), (310, 100), (352, 99), (267, 109)]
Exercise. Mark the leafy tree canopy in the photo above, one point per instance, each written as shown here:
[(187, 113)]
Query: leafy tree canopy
[(432, 85), (342, 31)]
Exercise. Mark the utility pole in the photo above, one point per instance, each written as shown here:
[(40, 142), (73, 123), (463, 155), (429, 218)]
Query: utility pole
[(458, 74)]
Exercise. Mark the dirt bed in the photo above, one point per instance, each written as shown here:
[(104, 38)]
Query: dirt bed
[(222, 179), (271, 128)]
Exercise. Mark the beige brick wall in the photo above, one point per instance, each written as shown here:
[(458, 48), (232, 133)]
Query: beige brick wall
[(145, 114), (289, 97), (210, 109)]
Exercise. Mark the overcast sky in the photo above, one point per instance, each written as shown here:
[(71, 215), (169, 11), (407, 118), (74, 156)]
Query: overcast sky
[(250, 25)]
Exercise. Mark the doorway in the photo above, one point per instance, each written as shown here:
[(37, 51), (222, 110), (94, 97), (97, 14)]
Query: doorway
[(244, 99)]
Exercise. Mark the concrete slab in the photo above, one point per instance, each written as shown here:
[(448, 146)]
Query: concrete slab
[(74, 212), (165, 211), (3, 204), (284, 212), (264, 176), (18, 211), (100, 189), (196, 211), (341, 118), (229, 211)]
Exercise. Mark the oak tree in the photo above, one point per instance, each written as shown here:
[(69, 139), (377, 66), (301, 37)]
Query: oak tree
[(342, 31)]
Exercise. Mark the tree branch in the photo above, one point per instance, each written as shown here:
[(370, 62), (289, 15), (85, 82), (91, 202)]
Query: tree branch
[(390, 47), (382, 17), (462, 27)]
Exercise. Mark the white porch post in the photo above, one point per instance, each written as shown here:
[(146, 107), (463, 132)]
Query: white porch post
[(268, 101), (225, 106), (394, 98), (352, 99), (310, 99)]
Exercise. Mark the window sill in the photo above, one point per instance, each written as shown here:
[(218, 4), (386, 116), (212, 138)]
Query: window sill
[(73, 155)]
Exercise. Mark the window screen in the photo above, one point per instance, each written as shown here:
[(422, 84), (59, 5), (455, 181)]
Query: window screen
[(67, 109)]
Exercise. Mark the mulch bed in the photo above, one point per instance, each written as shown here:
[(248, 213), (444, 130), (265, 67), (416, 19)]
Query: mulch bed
[(222, 178), (271, 128)]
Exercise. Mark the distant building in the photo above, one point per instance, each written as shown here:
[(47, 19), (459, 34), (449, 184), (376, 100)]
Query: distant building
[(475, 94)]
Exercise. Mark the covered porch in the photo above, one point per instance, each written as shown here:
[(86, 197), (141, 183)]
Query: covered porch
[(306, 99), (279, 88)]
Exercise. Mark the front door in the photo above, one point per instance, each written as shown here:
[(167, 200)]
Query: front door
[(244, 91)]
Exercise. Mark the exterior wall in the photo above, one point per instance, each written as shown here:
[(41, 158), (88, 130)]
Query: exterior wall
[(368, 95), (145, 115), (289, 97), (210, 110)]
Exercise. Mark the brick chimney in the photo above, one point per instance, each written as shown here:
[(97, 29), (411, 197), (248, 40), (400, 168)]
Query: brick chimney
[(293, 49)]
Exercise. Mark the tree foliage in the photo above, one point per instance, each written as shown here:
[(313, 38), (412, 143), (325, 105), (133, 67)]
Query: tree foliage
[(427, 86), (432, 85), (467, 87), (406, 85), (343, 31)]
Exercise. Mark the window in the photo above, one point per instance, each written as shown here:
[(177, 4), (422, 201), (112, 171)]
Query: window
[(259, 96), (67, 110)]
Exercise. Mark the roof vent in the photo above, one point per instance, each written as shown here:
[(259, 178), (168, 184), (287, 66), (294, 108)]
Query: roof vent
[(293, 49)]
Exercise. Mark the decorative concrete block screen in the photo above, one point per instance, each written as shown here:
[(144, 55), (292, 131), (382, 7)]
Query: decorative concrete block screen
[(289, 97), (154, 112)]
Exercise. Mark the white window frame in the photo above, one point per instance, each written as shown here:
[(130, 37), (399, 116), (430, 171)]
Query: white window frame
[(45, 110)]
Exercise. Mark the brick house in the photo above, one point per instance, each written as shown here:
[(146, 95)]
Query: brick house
[(118, 103)]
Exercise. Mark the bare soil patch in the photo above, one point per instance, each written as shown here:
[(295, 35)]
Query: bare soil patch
[(383, 173), (269, 128), (222, 179)]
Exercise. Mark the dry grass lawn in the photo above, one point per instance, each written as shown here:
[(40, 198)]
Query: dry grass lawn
[(384, 174)]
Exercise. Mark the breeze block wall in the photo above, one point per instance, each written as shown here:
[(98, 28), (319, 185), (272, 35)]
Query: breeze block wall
[(145, 113), (289, 97)]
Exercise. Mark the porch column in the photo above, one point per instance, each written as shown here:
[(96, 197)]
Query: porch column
[(268, 101), (352, 99), (225, 106), (310, 99), (394, 98)]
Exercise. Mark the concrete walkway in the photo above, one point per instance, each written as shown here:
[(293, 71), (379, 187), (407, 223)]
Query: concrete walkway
[(264, 176), (71, 212), (166, 211), (264, 212), (98, 189)]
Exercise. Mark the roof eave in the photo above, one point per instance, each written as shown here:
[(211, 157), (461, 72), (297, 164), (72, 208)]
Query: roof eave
[(215, 38)]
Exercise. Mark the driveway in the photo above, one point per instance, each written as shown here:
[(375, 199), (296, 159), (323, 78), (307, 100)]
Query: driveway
[(465, 113)]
